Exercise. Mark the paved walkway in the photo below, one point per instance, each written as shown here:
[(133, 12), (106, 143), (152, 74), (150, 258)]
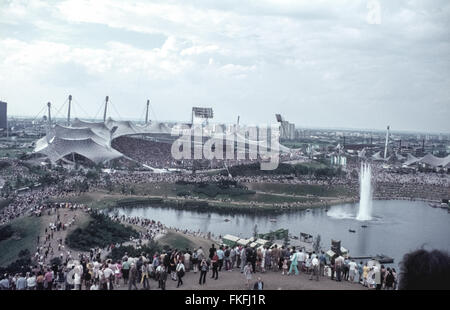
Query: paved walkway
[(234, 280)]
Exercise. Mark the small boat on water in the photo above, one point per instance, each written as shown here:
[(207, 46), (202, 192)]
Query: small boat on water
[(352, 231), (273, 220), (434, 205), (364, 226), (227, 220)]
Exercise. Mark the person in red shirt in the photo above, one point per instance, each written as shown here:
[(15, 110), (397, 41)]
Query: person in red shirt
[(48, 279), (215, 265)]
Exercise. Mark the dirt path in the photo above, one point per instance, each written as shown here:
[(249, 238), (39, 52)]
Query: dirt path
[(77, 217), (234, 280)]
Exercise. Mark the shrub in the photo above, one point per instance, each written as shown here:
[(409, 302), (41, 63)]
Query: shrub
[(149, 249), (24, 253), (55, 261), (100, 232), (20, 265), (6, 232)]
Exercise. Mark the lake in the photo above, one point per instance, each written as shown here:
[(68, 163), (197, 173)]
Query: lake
[(397, 226)]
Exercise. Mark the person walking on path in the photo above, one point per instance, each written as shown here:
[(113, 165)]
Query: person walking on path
[(294, 262), (215, 265), (339, 262), (125, 270), (133, 277), (243, 258), (212, 251), (259, 285), (180, 273), (162, 278), (145, 275), (203, 271), (221, 255), (315, 268), (248, 270)]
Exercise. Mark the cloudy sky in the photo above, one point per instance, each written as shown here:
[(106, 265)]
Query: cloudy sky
[(357, 64)]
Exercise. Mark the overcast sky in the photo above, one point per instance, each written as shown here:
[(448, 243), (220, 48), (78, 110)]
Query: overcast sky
[(318, 63)]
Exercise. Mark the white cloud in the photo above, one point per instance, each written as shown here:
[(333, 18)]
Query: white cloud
[(317, 55)]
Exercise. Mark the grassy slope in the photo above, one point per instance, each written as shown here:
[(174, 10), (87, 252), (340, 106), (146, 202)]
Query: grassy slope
[(28, 229), (179, 241), (272, 194), (166, 189), (300, 190)]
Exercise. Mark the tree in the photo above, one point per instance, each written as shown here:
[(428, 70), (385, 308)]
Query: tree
[(109, 183), (7, 189), (317, 244), (286, 240), (255, 231)]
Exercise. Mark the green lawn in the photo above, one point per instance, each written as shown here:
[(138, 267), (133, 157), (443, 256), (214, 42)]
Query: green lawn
[(14, 152), (300, 190), (27, 229), (268, 198), (176, 241)]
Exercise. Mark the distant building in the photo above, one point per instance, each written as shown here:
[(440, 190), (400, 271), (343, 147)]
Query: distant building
[(3, 115), (287, 130)]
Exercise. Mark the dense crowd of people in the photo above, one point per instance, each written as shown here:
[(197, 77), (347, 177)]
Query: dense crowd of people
[(94, 271), (91, 272)]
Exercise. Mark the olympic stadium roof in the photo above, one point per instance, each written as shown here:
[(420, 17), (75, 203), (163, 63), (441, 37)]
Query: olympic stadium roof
[(92, 139), (430, 160)]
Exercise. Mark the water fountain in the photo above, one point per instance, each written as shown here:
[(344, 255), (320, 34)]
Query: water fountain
[(365, 193)]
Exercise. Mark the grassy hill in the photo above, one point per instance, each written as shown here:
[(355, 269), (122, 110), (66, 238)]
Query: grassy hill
[(25, 232)]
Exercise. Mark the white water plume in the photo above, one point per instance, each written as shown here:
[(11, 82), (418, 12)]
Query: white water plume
[(365, 193)]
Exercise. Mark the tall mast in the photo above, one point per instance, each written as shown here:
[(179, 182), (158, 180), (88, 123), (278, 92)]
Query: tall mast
[(386, 143), (146, 113), (49, 105), (106, 108), (68, 112)]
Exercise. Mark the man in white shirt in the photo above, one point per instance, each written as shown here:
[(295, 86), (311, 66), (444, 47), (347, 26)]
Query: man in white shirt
[(352, 270), (200, 254), (187, 261), (108, 273), (94, 287), (31, 282), (301, 259), (315, 268), (339, 262)]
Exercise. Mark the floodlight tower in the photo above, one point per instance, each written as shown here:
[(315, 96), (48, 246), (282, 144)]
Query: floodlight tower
[(387, 141), (146, 113), (68, 112), (106, 108), (49, 122)]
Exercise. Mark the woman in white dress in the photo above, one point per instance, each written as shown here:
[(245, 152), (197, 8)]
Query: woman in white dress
[(248, 274)]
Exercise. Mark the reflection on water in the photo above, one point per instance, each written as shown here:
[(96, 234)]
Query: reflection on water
[(397, 226)]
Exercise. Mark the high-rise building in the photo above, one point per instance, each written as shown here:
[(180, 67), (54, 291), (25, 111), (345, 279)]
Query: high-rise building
[(3, 115)]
